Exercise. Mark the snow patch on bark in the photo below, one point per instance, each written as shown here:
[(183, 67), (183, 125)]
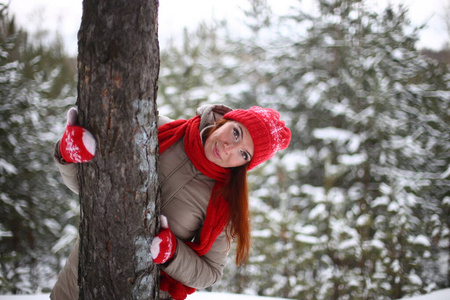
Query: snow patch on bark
[(141, 246)]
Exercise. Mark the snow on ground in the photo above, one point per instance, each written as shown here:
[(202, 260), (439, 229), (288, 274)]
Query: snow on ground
[(195, 296), (437, 295)]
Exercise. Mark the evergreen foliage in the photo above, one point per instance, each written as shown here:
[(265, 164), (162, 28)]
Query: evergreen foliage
[(36, 84), (357, 208), (199, 71)]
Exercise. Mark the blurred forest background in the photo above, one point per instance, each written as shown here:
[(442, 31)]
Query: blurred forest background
[(358, 207)]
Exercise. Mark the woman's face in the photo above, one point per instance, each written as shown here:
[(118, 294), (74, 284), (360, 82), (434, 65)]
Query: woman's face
[(230, 146)]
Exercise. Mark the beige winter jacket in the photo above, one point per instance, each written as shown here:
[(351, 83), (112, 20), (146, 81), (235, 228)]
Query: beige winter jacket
[(185, 193)]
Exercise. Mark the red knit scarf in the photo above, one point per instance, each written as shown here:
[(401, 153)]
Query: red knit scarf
[(217, 213)]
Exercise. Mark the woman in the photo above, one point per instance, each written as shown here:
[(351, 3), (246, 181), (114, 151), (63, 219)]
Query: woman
[(203, 166)]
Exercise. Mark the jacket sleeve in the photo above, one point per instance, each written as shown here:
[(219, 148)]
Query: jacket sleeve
[(199, 271), (66, 287), (69, 171)]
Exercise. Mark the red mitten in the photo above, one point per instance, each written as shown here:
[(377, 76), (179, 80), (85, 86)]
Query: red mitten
[(175, 289), (163, 244), (77, 144)]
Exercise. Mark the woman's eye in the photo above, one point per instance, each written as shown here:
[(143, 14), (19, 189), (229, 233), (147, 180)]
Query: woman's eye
[(236, 133), (244, 155)]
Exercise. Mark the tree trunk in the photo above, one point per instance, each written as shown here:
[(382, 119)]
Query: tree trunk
[(118, 65)]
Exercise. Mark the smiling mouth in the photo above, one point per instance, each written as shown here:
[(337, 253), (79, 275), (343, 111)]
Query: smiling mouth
[(216, 152)]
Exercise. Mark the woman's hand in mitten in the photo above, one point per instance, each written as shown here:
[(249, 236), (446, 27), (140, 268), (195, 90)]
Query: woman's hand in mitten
[(163, 244), (175, 289), (77, 144)]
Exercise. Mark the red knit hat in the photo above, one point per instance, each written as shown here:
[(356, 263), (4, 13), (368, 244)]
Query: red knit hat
[(269, 134)]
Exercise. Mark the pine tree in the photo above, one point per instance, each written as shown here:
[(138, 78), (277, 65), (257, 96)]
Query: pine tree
[(358, 206), (196, 71), (36, 214), (118, 66), (359, 98)]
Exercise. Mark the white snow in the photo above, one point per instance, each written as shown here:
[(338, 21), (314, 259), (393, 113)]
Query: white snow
[(319, 210), (446, 201), (437, 295), (363, 220), (414, 279), (307, 229), (4, 233), (446, 173), (332, 134), (68, 238), (382, 200), (265, 233), (421, 240), (375, 244), (307, 239), (195, 296), (293, 159), (352, 160), (397, 54), (317, 193), (9, 168)]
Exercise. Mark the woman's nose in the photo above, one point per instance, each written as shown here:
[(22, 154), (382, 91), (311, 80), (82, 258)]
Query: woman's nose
[(228, 147)]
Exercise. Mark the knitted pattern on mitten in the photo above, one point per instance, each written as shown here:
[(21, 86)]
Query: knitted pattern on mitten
[(77, 144)]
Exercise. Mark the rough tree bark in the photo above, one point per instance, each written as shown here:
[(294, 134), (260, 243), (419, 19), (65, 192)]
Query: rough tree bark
[(118, 65)]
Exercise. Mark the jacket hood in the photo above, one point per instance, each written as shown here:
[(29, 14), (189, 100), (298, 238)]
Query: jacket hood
[(211, 113)]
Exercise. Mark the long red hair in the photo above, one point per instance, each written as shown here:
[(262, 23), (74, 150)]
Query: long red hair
[(236, 193)]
